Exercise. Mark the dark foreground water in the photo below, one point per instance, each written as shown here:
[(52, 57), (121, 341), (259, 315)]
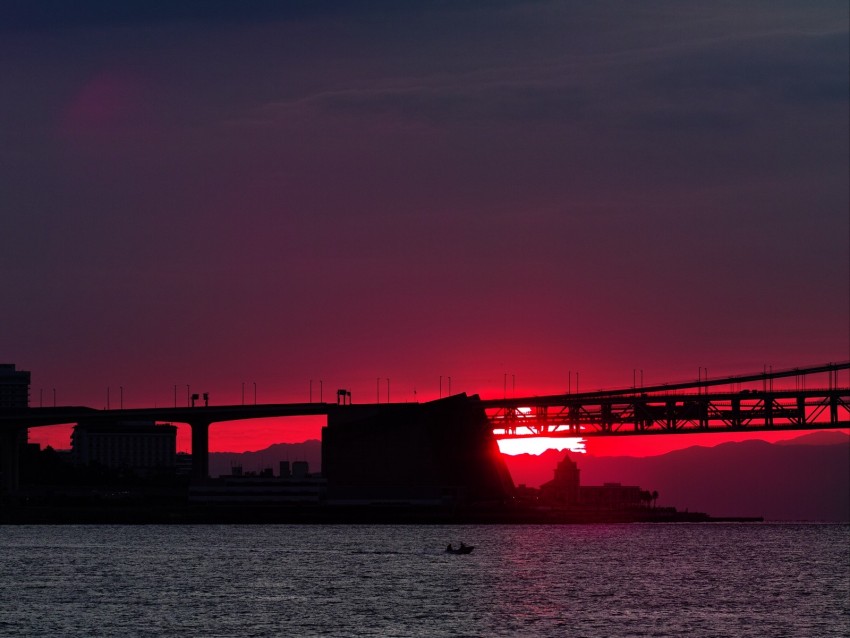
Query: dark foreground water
[(594, 580)]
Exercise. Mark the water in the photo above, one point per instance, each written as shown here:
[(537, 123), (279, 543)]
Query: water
[(583, 580)]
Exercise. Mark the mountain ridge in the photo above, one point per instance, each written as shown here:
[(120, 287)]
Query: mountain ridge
[(805, 478)]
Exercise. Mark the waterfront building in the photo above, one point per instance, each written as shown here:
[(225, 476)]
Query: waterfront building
[(263, 488), (614, 496), (439, 453), (566, 490), (139, 446), (183, 464)]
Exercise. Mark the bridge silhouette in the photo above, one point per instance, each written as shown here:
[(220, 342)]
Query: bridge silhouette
[(706, 405), (703, 406)]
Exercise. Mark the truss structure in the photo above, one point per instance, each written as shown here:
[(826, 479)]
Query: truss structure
[(679, 408)]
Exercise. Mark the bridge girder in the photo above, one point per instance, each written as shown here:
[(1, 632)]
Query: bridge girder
[(676, 414)]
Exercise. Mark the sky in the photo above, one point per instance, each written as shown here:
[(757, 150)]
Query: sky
[(215, 194)]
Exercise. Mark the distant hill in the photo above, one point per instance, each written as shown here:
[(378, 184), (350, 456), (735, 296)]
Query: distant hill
[(825, 437), (807, 478), (310, 451)]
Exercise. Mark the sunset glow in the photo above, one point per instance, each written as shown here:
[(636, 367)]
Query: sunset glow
[(420, 211), (538, 445)]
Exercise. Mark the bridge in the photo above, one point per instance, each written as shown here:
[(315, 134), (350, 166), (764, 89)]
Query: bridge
[(702, 406), (705, 405)]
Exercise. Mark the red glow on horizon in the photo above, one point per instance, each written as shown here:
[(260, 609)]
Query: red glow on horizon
[(538, 445), (243, 436)]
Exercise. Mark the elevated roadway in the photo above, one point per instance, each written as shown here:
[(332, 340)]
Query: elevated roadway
[(706, 405)]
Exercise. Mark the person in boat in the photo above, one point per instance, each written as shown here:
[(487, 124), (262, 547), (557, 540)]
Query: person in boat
[(449, 548)]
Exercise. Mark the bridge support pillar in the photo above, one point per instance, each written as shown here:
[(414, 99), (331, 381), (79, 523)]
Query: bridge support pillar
[(200, 451), (10, 454), (833, 407), (768, 410)]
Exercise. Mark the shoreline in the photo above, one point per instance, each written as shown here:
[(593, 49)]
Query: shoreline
[(340, 515)]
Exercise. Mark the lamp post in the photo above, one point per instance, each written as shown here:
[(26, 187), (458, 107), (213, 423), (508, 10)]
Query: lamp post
[(320, 391), (388, 390), (243, 393), (188, 398), (255, 393), (121, 388)]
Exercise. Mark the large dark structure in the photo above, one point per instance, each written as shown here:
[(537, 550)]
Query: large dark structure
[(437, 453), (14, 387), (139, 446)]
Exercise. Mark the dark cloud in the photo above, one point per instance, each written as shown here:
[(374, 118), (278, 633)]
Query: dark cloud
[(53, 14), (42, 14)]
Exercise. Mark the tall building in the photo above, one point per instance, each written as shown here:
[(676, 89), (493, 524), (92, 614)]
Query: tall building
[(14, 387), (437, 453), (140, 446), (564, 488)]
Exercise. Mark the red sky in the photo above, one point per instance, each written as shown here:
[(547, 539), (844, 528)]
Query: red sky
[(239, 437), (257, 434), (215, 194)]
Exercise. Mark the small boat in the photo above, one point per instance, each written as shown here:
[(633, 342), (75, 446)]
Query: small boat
[(463, 549)]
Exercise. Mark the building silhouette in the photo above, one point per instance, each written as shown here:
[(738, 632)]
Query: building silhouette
[(297, 487), (439, 453), (565, 490), (142, 447), (14, 387)]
